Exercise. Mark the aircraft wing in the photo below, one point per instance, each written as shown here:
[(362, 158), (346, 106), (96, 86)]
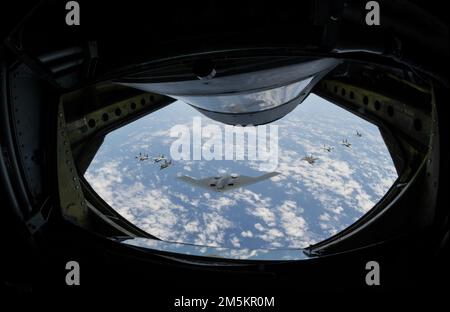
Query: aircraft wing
[(196, 182), (241, 181)]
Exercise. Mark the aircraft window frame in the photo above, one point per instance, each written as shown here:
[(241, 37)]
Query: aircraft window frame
[(392, 195)]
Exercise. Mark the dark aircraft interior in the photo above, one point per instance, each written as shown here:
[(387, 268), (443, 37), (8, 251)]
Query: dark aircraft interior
[(64, 88)]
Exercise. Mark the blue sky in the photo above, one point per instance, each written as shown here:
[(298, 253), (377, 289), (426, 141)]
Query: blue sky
[(301, 206)]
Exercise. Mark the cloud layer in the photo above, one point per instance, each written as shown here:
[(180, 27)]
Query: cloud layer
[(302, 205)]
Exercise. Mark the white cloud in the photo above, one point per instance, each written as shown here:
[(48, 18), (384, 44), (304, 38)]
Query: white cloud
[(264, 213), (246, 234), (304, 203), (235, 242), (324, 217)]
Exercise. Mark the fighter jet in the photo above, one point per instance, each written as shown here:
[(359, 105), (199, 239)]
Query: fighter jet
[(346, 143), (226, 182), (165, 164), (142, 157), (159, 158), (328, 148), (358, 133), (310, 159)]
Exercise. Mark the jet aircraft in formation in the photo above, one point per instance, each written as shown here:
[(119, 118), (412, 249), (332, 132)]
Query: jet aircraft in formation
[(159, 158), (141, 157), (165, 163), (346, 143), (310, 159)]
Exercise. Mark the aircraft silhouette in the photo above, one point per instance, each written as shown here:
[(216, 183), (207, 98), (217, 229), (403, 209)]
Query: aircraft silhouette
[(346, 143), (226, 182), (310, 159), (141, 157), (165, 164), (159, 158)]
